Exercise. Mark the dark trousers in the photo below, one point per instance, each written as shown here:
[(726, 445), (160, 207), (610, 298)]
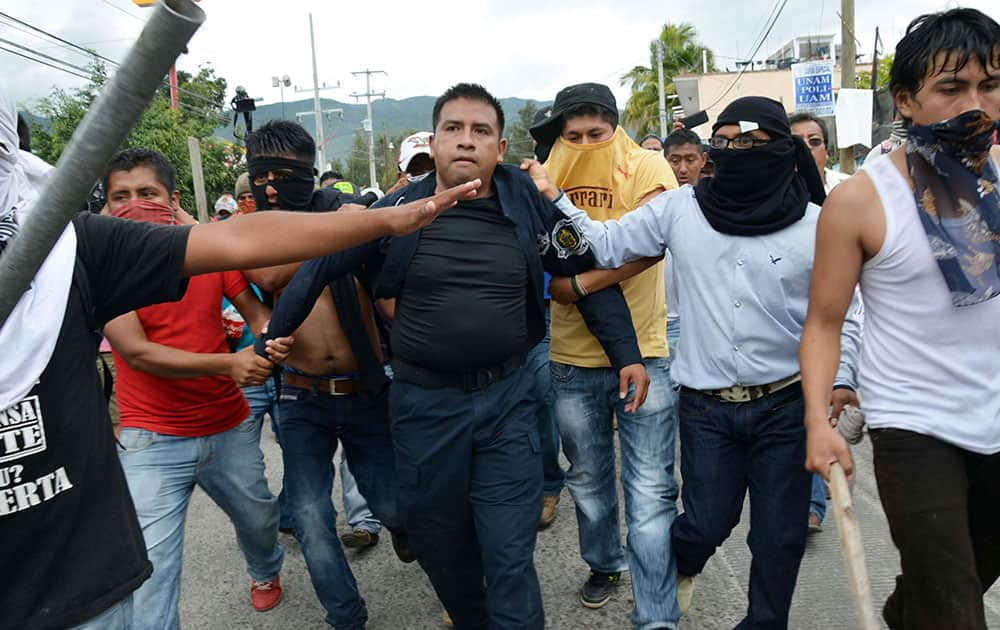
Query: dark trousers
[(727, 448), (943, 506), (311, 426), (470, 495)]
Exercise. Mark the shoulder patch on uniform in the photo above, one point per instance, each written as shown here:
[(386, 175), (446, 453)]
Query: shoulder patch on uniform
[(568, 240)]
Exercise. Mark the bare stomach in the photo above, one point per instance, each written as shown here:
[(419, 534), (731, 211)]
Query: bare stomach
[(321, 345)]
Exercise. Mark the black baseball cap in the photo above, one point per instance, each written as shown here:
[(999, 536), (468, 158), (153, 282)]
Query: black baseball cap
[(548, 129)]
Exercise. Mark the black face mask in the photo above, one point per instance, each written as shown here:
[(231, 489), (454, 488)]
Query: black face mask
[(294, 193)]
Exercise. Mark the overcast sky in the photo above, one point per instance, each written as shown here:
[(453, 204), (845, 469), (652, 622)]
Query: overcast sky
[(517, 48)]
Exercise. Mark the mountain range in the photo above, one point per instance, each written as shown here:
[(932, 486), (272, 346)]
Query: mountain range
[(394, 116)]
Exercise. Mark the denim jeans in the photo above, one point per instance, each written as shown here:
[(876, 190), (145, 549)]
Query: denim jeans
[(943, 504), (117, 617), (263, 400), (470, 476), (586, 401), (727, 448), (162, 471), (311, 426), (537, 363), (817, 498), (359, 516)]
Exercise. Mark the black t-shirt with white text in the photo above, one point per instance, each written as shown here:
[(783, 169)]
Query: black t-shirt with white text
[(70, 542)]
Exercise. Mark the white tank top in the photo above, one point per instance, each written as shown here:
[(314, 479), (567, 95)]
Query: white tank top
[(926, 366)]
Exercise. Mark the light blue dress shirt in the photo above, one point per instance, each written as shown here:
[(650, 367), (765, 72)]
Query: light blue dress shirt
[(743, 299)]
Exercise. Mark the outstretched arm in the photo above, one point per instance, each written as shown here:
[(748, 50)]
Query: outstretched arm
[(264, 239), (638, 234), (594, 280)]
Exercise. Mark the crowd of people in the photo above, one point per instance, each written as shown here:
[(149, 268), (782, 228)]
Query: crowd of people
[(456, 336)]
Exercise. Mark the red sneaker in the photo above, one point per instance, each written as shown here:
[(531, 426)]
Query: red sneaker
[(265, 595)]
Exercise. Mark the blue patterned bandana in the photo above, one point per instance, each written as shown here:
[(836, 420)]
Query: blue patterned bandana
[(955, 185)]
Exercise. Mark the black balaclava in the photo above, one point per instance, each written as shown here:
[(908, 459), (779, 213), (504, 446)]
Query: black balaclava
[(761, 189), (294, 193)]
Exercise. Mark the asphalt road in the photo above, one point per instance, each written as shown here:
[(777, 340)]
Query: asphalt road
[(215, 585)]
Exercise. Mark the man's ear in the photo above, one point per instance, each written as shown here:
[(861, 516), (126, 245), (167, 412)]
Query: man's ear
[(175, 199), (503, 149), (904, 102)]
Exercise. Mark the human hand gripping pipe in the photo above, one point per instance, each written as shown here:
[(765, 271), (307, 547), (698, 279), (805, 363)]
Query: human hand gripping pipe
[(99, 135)]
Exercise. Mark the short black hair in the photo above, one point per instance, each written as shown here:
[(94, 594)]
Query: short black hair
[(473, 92), (130, 159), (590, 109), (23, 133), (807, 117), (651, 135), (281, 137), (959, 33), (681, 137), (330, 175)]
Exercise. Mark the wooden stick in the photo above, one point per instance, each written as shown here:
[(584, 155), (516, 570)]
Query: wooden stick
[(854, 552)]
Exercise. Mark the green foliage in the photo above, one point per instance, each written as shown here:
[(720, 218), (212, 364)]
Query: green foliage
[(681, 53), (161, 128), (357, 162), (519, 144), (864, 79)]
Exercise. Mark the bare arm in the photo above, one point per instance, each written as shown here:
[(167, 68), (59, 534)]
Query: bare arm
[(127, 337), (272, 279), (254, 313), (597, 279), (265, 239), (836, 269)]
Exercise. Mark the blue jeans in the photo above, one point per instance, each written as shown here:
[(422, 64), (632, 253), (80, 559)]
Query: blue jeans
[(162, 471), (263, 400), (117, 617), (727, 448), (470, 477), (586, 400), (311, 426), (537, 363), (359, 516), (817, 500)]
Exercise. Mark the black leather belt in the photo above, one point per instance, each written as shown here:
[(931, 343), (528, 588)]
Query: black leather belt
[(468, 381)]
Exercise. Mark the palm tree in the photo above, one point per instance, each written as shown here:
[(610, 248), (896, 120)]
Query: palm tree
[(681, 53)]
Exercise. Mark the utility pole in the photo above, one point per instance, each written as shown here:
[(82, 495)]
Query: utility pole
[(370, 125), (659, 79), (704, 61), (320, 143), (847, 57)]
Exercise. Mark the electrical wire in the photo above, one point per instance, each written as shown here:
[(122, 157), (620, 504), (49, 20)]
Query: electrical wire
[(44, 63), (754, 54), (42, 55), (128, 13)]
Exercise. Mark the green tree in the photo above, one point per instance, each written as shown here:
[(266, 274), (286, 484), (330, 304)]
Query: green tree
[(201, 111), (357, 161), (519, 144), (864, 79), (681, 53)]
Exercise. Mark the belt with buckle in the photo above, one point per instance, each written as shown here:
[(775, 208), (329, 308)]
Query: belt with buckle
[(332, 385), (468, 381), (742, 393)]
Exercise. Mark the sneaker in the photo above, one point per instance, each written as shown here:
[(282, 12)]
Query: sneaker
[(265, 595), (596, 591), (549, 504), (359, 539), (401, 545), (815, 525), (685, 592), (446, 619)]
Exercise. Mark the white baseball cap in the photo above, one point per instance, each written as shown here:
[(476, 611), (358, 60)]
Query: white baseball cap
[(413, 146), (226, 203)]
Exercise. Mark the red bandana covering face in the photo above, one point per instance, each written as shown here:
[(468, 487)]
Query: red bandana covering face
[(145, 210), (246, 206)]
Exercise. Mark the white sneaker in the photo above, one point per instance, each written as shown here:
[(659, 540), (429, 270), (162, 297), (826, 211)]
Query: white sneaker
[(685, 592)]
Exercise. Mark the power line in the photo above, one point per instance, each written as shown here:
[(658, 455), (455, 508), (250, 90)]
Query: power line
[(92, 53), (42, 55), (128, 13), (44, 63), (754, 54)]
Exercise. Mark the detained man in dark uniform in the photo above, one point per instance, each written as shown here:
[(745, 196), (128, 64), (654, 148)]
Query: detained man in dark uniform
[(462, 407)]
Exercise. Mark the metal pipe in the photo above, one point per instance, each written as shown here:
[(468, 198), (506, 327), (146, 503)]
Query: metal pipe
[(101, 132)]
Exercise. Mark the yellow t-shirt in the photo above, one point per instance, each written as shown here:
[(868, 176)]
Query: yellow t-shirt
[(607, 180)]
